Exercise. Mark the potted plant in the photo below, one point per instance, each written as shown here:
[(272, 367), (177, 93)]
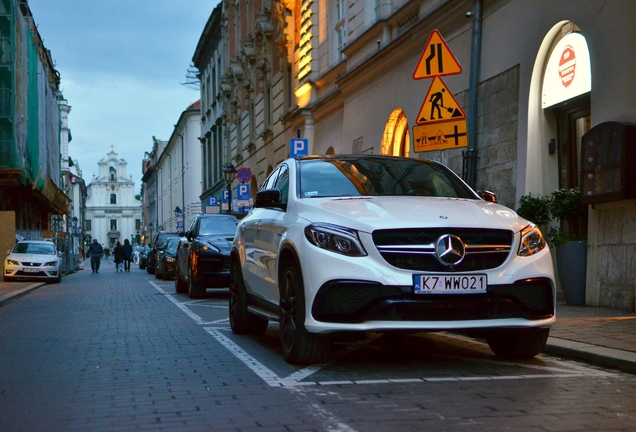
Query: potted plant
[(570, 241), (568, 238)]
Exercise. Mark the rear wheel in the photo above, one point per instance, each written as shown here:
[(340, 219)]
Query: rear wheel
[(242, 321), (299, 346), (518, 343)]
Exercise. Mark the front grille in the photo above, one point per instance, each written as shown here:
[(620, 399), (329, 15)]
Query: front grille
[(414, 248), (215, 264), (358, 301)]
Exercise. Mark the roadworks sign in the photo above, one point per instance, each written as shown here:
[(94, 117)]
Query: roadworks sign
[(440, 136), (439, 105)]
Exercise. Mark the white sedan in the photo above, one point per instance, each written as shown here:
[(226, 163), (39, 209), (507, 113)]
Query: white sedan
[(33, 260), (377, 243)]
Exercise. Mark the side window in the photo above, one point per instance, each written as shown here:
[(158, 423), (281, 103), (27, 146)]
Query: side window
[(269, 182), (282, 182)]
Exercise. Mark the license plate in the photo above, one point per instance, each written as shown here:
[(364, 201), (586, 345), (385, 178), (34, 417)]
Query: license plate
[(450, 284), (31, 270)]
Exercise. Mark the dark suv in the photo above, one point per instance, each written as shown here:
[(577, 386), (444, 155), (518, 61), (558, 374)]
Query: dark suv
[(159, 239), (203, 257)]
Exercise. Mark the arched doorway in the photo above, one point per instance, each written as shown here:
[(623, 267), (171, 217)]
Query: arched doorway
[(558, 110), (395, 139)]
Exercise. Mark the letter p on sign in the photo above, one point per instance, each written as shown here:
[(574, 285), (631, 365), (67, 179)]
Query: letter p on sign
[(298, 147)]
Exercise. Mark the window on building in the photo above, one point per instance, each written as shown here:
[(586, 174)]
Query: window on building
[(340, 29), (113, 198), (137, 224), (396, 140), (87, 225), (112, 173), (113, 224)]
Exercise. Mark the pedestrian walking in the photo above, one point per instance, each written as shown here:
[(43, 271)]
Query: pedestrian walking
[(119, 257), (95, 250), (127, 251)]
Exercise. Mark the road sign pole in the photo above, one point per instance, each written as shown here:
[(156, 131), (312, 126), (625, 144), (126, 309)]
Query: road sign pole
[(470, 158)]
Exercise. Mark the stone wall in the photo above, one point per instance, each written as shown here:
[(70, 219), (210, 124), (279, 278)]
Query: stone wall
[(611, 260)]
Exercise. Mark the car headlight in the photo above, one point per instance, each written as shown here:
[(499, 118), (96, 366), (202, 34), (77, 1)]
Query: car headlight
[(335, 239), (12, 262), (207, 247), (531, 241), (50, 264)]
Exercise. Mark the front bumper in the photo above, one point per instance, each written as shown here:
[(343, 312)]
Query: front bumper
[(380, 297), (19, 272)]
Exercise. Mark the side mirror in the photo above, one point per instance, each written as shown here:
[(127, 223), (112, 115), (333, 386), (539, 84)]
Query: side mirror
[(269, 198), (487, 196)]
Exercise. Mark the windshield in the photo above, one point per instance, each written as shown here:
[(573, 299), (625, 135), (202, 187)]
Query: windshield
[(368, 176), (171, 245), (221, 226), (35, 248)]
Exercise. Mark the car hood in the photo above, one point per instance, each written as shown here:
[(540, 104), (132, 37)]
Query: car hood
[(395, 212), (224, 243)]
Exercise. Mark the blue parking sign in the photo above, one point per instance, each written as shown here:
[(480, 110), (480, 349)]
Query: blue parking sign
[(213, 201), (298, 147), (243, 195)]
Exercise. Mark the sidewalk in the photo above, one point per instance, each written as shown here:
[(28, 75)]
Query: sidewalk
[(602, 336)]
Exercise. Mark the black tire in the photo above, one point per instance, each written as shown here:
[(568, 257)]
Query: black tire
[(195, 291), (180, 287), (242, 321), (8, 279), (299, 346), (518, 343), (158, 274)]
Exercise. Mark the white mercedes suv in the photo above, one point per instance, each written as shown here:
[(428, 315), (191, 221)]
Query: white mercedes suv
[(378, 243)]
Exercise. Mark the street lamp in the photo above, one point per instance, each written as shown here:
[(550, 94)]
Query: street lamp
[(178, 214), (230, 172), (177, 210)]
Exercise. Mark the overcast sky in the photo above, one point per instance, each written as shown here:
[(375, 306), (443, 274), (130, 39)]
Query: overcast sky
[(121, 63)]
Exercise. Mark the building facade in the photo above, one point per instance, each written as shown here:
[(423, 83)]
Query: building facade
[(113, 213), (534, 78)]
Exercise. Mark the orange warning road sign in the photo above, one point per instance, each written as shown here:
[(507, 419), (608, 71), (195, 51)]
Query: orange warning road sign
[(439, 105), (440, 136), (437, 59)]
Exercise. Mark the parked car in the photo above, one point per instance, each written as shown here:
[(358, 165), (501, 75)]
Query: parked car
[(143, 257), (33, 260), (159, 239), (203, 257), (166, 255), (380, 243)]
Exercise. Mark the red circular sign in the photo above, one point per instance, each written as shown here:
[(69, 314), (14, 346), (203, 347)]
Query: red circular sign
[(244, 175), (567, 66)]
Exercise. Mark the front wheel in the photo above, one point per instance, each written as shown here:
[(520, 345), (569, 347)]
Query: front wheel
[(299, 346), (518, 343), (242, 321), (195, 291), (180, 287)]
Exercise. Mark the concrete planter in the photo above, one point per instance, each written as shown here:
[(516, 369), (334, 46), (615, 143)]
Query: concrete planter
[(572, 267)]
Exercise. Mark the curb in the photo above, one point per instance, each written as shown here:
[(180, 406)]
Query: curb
[(624, 361), (21, 291)]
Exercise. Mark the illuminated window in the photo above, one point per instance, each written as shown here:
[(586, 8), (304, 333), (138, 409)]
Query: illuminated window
[(396, 140)]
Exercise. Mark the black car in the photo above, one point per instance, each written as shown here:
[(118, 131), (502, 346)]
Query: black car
[(203, 257), (143, 257), (159, 239), (166, 255)]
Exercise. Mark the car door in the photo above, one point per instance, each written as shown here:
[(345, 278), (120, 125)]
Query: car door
[(183, 255), (269, 235), (253, 271)]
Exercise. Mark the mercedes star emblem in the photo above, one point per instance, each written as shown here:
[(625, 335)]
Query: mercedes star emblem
[(450, 249)]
